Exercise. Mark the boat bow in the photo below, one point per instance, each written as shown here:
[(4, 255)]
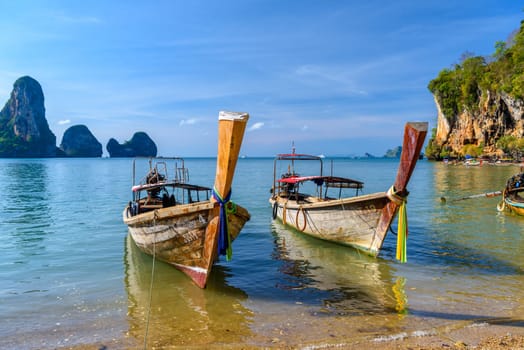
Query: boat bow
[(414, 136), (168, 220), (231, 129)]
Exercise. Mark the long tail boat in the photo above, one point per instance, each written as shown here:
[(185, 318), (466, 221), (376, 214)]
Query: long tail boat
[(187, 225), (359, 221), (511, 196)]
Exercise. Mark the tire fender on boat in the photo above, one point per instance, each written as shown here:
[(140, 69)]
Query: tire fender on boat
[(301, 210), (275, 210), (129, 210)]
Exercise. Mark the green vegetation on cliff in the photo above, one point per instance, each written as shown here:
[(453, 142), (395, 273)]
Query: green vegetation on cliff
[(511, 145), (461, 86)]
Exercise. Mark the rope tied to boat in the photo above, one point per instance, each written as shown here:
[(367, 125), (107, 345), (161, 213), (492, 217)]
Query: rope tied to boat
[(148, 317), (502, 204), (301, 210), (402, 234), (224, 237), (231, 207)]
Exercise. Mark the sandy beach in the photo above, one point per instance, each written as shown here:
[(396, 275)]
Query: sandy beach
[(492, 342), (483, 338), (477, 336)]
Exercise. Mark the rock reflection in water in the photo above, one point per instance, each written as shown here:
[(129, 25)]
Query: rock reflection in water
[(181, 313), (26, 211)]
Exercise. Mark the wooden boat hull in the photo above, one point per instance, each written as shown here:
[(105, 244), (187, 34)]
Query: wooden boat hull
[(349, 221), (514, 206), (178, 235)]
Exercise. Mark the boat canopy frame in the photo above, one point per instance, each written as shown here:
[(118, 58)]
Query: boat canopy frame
[(516, 183), (289, 183), (158, 180)]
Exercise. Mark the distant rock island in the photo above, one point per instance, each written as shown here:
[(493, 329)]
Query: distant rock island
[(393, 153), (140, 145), (78, 141), (25, 133)]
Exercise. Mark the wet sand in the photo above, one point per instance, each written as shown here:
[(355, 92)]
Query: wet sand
[(479, 338), (474, 336), (513, 342)]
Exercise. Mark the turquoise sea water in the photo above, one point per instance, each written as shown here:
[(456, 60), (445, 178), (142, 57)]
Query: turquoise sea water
[(70, 276)]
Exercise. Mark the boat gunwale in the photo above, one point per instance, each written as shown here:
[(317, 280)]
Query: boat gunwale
[(167, 212), (292, 203), (514, 203)]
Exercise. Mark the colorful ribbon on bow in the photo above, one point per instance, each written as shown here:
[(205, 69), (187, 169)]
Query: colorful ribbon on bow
[(224, 238), (402, 233)]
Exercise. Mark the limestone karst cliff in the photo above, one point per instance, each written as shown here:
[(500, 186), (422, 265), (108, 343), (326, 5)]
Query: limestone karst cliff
[(480, 102), (498, 115), (24, 131)]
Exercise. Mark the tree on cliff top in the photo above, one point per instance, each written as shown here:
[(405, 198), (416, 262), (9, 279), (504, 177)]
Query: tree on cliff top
[(504, 72)]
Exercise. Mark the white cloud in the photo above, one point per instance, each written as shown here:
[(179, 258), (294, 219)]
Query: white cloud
[(76, 19), (340, 77), (191, 121), (63, 122), (256, 126)]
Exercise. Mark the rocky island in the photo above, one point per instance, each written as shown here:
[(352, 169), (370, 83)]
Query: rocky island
[(140, 145), (78, 141), (480, 104), (25, 132)]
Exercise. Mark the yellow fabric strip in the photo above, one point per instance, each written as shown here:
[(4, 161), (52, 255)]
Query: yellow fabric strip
[(402, 233)]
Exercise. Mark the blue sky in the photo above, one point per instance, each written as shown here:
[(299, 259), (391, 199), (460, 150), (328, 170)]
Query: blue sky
[(336, 77)]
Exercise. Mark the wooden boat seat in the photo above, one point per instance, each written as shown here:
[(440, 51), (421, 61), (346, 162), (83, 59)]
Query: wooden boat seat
[(311, 199), (516, 196), (516, 190), (151, 206)]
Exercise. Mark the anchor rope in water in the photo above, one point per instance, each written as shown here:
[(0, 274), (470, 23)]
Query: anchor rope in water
[(402, 231), (150, 285), (224, 237)]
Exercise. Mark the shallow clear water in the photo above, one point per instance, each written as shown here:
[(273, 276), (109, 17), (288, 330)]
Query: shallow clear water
[(69, 274)]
